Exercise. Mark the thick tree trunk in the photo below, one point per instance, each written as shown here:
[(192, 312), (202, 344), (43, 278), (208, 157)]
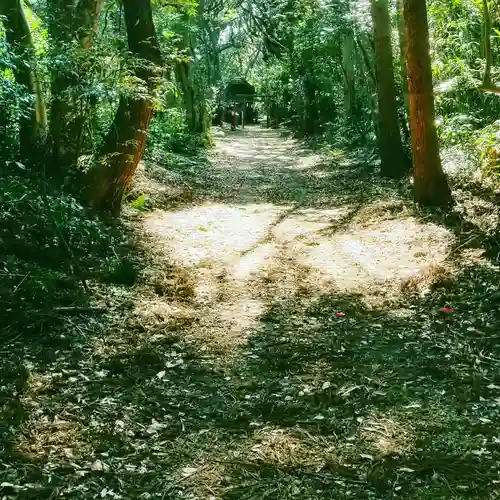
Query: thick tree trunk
[(389, 138), (33, 124), (430, 184), (60, 31), (310, 105), (88, 14), (126, 140), (194, 104)]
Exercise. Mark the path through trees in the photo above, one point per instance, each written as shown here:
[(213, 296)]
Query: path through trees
[(284, 338)]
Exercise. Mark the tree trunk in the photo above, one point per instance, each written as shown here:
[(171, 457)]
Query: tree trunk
[(126, 139), (88, 14), (389, 138), (69, 23), (487, 44), (348, 68), (33, 124), (430, 184), (373, 79), (185, 72), (402, 52)]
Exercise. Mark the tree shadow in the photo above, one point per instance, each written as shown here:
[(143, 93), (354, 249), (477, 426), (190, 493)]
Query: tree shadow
[(326, 397)]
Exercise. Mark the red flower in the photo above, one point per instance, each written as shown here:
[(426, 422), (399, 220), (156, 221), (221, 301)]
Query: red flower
[(340, 315), (447, 310)]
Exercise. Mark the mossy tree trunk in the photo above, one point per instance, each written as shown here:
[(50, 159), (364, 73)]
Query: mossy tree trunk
[(126, 140), (402, 52), (430, 184), (348, 69), (71, 27), (185, 72)]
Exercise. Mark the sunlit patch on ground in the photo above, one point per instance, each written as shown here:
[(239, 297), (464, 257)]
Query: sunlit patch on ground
[(213, 232), (375, 259), (292, 448), (52, 436), (386, 437)]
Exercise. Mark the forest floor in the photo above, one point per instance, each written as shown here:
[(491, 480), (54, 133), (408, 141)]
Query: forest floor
[(298, 329)]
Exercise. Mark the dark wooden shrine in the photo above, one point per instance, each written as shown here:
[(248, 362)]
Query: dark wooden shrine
[(239, 102)]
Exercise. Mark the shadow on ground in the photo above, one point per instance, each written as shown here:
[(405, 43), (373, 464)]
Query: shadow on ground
[(299, 350)]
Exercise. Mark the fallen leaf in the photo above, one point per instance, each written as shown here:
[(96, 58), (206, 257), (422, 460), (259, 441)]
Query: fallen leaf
[(189, 471), (154, 427)]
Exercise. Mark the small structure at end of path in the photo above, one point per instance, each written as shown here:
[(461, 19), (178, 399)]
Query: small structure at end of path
[(238, 103)]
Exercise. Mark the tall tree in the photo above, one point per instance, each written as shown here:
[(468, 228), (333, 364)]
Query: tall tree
[(33, 122), (402, 52), (71, 26), (430, 184), (125, 142), (389, 139), (348, 69), (185, 72)]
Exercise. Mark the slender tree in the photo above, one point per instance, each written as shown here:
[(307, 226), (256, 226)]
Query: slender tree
[(389, 138), (125, 142), (33, 123), (348, 70), (430, 184), (402, 52)]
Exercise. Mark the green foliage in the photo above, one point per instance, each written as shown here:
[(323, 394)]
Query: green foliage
[(14, 102), (487, 141), (169, 134), (48, 244), (139, 203)]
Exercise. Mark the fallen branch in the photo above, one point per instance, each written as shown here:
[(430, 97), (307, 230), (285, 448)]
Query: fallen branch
[(79, 310)]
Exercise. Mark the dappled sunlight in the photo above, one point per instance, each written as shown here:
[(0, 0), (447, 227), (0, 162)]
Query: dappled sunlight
[(278, 334), (212, 232), (374, 259), (305, 223), (58, 436), (291, 448), (386, 437)]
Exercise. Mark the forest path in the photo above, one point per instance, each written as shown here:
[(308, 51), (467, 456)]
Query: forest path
[(283, 337), (275, 219), (308, 350)]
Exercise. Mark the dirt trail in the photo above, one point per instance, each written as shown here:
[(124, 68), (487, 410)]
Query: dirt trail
[(274, 218)]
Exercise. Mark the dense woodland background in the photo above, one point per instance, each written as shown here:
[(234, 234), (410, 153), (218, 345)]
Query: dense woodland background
[(87, 87), (118, 381)]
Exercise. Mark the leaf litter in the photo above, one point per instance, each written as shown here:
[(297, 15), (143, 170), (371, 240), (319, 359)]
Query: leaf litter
[(310, 368)]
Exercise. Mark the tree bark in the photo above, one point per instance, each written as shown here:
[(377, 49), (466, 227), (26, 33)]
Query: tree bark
[(124, 145), (69, 23), (348, 68), (487, 45), (33, 124), (185, 72), (389, 139), (430, 183), (402, 52), (88, 14)]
